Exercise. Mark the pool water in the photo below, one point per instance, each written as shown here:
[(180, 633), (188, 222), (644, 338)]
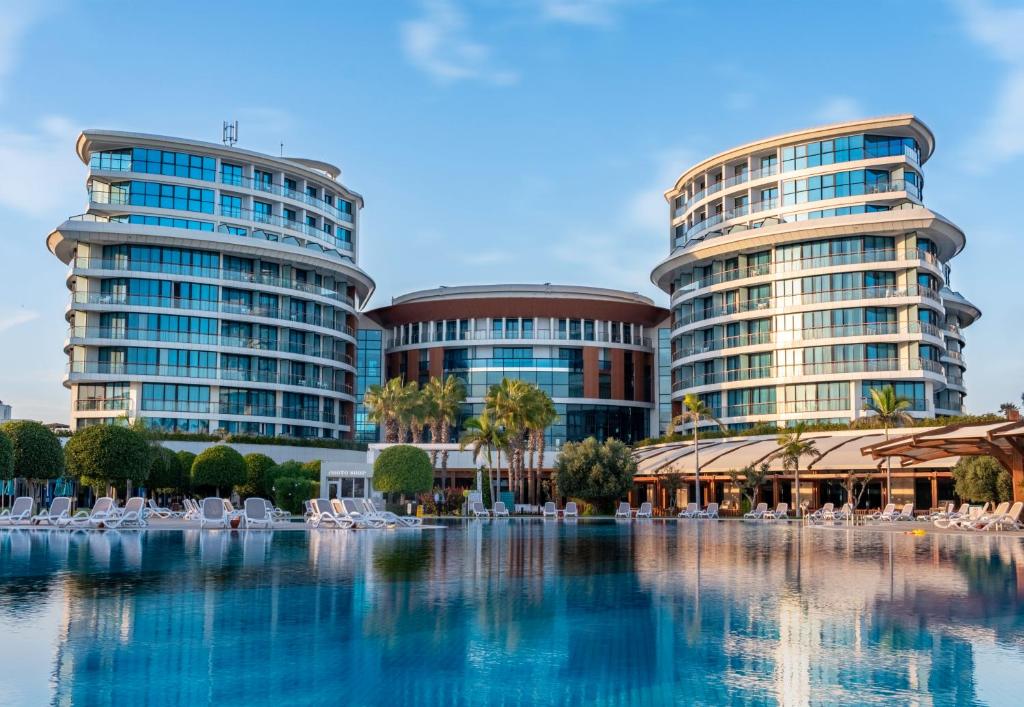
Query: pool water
[(511, 612)]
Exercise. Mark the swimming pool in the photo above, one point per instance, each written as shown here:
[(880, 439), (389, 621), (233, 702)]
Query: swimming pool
[(511, 612)]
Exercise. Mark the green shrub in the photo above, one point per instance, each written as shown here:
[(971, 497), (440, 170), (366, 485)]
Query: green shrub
[(166, 473), (6, 457), (256, 467), (219, 467), (594, 472), (982, 479), (186, 459), (101, 455), (290, 493), (403, 469), (37, 452)]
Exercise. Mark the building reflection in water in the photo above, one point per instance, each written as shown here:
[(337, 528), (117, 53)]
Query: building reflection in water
[(519, 612)]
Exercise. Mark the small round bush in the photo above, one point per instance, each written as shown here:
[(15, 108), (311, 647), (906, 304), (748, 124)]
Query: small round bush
[(219, 467), (37, 451), (165, 473), (403, 469), (99, 455)]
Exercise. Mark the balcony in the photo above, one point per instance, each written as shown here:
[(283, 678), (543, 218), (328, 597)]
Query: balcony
[(537, 335), (800, 370), (205, 339), (105, 368), (124, 265)]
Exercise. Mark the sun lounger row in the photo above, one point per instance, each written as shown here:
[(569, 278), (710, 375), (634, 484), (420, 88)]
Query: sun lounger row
[(354, 513), (692, 510), (625, 511), (762, 512)]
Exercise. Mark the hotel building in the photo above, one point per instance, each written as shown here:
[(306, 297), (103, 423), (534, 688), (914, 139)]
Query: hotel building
[(805, 269), (594, 351), (211, 288)]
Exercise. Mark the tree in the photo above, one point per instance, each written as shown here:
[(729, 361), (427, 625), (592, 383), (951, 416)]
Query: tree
[(542, 415), (291, 493), (443, 400), (105, 455), (1009, 409), (484, 438), (256, 467), (891, 410), (792, 448), (219, 466), (6, 460), (982, 479), (385, 404), (38, 455), (853, 481), (509, 404), (594, 472), (165, 471), (749, 480), (186, 459), (403, 469), (694, 411)]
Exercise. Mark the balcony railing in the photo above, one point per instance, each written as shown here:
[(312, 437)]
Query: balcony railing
[(746, 176), (206, 339), (277, 313), (799, 370), (879, 255), (106, 368), (124, 265), (281, 190), (537, 335), (823, 297)]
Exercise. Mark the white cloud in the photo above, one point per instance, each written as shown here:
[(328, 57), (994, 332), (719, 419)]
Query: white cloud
[(621, 251), (9, 320), (440, 45), (838, 109), (41, 173), (999, 138), (580, 12)]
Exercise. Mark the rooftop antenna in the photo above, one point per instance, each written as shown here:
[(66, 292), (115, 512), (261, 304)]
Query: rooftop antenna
[(282, 149), (230, 133)]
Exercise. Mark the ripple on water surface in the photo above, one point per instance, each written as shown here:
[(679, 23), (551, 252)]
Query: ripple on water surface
[(511, 612)]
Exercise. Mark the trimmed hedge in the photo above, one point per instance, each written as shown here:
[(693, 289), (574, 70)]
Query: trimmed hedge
[(403, 469), (107, 454)]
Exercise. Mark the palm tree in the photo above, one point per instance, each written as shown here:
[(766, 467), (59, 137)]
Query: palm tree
[(385, 403), (408, 412), (543, 415), (444, 399), (891, 410), (483, 437), (791, 449), (695, 410), (508, 404)]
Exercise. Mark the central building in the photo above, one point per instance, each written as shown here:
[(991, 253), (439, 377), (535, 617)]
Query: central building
[(591, 349), (805, 269)]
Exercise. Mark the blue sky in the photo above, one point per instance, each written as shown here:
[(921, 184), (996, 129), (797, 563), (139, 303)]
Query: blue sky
[(506, 140)]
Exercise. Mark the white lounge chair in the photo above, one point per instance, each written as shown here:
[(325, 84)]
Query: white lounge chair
[(19, 512), (818, 516), (152, 509), (133, 514), (308, 512), (844, 514), (710, 513), (1010, 520), (192, 510), (978, 518), (548, 511), (256, 514), (478, 510), (781, 511), (758, 513), (624, 511), (103, 511), (906, 513), (277, 513), (213, 512), (690, 511), (370, 508), (59, 512), (351, 509), (499, 510), (645, 510), (570, 510), (885, 514), (323, 514)]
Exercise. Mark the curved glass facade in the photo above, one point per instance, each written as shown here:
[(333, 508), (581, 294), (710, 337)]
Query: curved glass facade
[(174, 321), (781, 314)]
